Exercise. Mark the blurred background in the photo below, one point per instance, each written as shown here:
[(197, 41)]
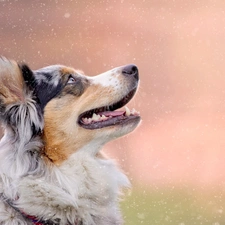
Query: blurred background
[(175, 159)]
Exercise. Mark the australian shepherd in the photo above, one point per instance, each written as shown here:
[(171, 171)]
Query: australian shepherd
[(55, 122)]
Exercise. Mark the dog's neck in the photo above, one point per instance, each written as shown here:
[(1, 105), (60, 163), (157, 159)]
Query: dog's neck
[(85, 185), (58, 149)]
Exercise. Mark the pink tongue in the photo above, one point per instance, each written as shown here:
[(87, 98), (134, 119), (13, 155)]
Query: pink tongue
[(111, 113)]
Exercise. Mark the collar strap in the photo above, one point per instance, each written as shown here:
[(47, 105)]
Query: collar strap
[(34, 219)]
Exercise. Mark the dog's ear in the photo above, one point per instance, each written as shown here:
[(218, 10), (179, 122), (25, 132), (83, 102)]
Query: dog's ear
[(18, 103), (16, 81), (11, 82), (28, 77)]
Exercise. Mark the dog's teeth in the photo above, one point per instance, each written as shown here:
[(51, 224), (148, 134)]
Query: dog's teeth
[(85, 120), (89, 120), (96, 117), (134, 112), (103, 117), (127, 111)]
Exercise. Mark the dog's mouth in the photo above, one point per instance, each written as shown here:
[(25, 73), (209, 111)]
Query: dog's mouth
[(108, 116)]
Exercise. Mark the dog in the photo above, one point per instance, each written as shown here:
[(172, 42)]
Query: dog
[(56, 120)]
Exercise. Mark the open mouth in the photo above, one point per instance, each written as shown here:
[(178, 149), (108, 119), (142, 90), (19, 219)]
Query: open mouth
[(108, 116)]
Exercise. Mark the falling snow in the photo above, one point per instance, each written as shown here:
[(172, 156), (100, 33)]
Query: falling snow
[(175, 159)]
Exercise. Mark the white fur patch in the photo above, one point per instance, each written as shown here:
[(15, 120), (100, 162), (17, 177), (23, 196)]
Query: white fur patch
[(108, 79)]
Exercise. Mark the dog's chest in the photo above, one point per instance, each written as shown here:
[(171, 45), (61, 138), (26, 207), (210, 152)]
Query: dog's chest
[(96, 180)]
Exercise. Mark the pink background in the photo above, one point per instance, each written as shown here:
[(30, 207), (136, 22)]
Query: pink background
[(179, 47)]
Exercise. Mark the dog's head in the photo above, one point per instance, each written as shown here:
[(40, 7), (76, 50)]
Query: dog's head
[(78, 111)]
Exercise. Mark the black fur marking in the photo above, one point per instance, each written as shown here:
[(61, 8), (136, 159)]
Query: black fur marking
[(45, 92), (31, 85), (28, 76), (47, 76), (47, 87), (2, 108), (52, 84)]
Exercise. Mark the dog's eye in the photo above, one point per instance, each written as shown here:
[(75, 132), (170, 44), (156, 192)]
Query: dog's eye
[(71, 80)]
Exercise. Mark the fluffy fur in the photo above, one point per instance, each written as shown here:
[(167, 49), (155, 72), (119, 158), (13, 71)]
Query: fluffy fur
[(51, 167)]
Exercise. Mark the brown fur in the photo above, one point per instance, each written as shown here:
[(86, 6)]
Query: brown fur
[(11, 82), (67, 70), (60, 139)]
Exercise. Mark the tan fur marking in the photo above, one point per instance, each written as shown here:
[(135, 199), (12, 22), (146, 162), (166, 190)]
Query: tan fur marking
[(67, 70), (61, 128)]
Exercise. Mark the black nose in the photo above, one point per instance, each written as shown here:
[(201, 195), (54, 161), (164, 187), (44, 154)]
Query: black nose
[(131, 70)]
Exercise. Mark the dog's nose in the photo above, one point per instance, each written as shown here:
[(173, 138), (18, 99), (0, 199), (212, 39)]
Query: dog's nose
[(131, 70)]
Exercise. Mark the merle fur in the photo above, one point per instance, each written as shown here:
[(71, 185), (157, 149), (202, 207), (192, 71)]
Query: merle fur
[(45, 90)]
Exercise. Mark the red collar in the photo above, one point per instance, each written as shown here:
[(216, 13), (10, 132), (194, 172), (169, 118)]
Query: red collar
[(34, 219), (37, 221)]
